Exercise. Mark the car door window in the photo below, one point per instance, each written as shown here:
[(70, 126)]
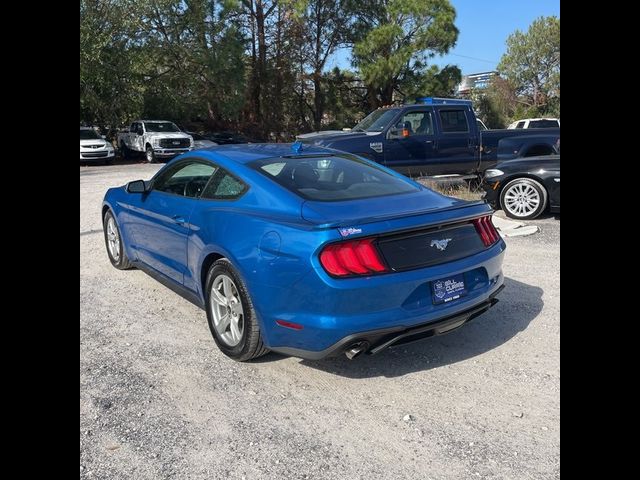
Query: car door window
[(453, 121), (186, 179), (224, 186), (419, 122)]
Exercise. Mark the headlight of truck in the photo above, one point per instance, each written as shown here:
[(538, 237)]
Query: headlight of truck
[(493, 172), (156, 142)]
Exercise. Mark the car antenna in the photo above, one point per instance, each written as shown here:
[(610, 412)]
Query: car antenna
[(296, 147)]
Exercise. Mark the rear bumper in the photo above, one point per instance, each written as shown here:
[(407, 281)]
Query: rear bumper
[(377, 340), (332, 310)]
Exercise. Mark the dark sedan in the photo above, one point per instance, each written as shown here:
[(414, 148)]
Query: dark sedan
[(524, 187)]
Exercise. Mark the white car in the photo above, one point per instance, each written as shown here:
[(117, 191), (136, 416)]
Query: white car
[(536, 123), (156, 138), (94, 147)]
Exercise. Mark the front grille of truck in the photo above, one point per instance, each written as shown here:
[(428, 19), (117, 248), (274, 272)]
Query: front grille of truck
[(175, 142)]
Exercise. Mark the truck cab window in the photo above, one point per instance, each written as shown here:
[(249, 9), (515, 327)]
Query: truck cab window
[(453, 121), (419, 121)]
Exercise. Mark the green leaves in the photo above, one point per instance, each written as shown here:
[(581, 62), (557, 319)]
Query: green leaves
[(532, 64), (393, 46)]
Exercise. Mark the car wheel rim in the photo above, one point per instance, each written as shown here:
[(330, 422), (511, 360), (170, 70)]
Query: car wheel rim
[(521, 199), (113, 239), (226, 310)]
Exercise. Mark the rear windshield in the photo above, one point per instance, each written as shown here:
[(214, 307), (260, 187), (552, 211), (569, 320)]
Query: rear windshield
[(332, 178), (543, 124)]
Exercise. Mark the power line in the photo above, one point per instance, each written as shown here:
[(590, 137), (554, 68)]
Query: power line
[(474, 58)]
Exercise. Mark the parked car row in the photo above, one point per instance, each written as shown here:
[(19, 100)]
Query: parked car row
[(434, 137)]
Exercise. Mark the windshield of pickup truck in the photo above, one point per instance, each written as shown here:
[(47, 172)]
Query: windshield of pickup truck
[(376, 120), (332, 178), (89, 134), (161, 127)]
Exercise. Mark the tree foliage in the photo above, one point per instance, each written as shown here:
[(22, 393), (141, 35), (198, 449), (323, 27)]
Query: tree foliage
[(532, 66), (259, 66), (394, 39)]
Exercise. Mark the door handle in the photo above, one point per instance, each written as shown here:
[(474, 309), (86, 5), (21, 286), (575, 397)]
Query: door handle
[(179, 219), (428, 141)]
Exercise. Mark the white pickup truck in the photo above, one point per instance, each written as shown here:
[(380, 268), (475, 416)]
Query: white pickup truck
[(155, 138)]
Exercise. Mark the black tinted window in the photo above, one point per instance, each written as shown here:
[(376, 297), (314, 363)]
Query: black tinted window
[(453, 121), (224, 186), (161, 127), (543, 124), (89, 135), (332, 178)]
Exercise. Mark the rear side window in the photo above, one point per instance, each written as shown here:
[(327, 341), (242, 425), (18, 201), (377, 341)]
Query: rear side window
[(520, 124), (543, 124), (332, 178), (224, 186), (453, 121)]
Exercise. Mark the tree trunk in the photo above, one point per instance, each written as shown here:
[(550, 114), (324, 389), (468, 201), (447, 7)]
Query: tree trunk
[(262, 63), (318, 100), (387, 94)]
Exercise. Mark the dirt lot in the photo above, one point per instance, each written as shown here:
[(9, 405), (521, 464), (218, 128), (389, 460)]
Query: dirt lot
[(157, 399)]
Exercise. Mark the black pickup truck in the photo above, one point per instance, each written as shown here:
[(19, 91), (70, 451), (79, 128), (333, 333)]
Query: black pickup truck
[(437, 136)]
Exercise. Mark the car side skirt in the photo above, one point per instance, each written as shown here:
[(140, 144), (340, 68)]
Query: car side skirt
[(167, 282)]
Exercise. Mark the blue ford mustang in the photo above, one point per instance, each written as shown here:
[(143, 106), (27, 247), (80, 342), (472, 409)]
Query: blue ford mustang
[(308, 252)]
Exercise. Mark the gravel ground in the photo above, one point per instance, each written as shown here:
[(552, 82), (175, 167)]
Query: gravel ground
[(158, 400)]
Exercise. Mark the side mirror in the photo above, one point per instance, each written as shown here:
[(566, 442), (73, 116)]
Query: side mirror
[(401, 130), (137, 186), (394, 133)]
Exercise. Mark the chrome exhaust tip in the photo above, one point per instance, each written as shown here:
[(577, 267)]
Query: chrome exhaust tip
[(356, 350)]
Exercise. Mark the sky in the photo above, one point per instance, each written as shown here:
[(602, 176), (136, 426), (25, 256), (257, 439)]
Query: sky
[(484, 27)]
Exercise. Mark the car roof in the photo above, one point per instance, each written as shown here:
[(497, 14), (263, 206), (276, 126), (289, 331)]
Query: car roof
[(249, 152), (540, 118)]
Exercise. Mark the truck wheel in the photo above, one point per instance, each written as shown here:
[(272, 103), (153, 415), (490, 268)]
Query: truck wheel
[(523, 198), (150, 156)]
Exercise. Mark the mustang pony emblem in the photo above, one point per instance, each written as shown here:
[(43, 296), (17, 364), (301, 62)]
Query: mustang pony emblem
[(440, 244)]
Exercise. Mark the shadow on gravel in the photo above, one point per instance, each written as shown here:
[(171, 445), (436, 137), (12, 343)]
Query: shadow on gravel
[(519, 305)]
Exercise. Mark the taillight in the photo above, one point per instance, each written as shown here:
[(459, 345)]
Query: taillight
[(486, 230), (354, 257)]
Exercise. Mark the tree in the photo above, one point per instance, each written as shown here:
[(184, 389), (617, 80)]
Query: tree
[(111, 62), (395, 38), (325, 24), (532, 65)]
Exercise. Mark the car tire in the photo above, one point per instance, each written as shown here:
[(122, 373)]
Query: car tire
[(113, 242), (150, 154), (236, 332), (523, 199)]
